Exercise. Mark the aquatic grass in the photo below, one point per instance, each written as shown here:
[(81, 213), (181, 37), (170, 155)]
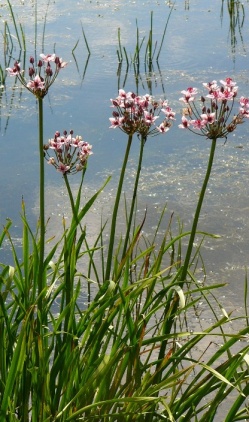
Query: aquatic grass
[(44, 24), (85, 39), (164, 32), (18, 36), (87, 59), (150, 48)]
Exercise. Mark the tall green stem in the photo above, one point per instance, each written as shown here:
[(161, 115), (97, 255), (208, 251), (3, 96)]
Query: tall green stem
[(197, 212), (42, 199), (134, 196), (42, 319), (115, 210), (73, 208)]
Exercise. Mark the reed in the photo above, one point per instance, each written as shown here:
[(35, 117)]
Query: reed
[(150, 47)]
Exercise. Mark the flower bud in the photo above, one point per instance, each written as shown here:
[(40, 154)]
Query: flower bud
[(49, 71), (79, 167), (31, 72), (31, 60), (39, 64)]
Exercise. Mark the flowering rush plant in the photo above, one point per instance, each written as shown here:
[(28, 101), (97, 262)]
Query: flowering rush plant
[(42, 76), (70, 153), (214, 120), (138, 114)]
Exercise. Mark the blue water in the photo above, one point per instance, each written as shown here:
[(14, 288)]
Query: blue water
[(198, 47)]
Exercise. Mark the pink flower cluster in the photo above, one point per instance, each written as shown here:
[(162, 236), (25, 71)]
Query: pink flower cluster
[(138, 114), (70, 153), (213, 120), (42, 76)]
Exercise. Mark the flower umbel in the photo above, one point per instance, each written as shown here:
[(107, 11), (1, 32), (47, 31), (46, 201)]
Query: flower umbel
[(213, 120), (42, 76), (138, 114), (70, 153)]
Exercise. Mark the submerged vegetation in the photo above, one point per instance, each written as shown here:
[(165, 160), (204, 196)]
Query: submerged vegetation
[(101, 330)]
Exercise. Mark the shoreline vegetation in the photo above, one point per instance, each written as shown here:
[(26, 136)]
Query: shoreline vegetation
[(100, 330)]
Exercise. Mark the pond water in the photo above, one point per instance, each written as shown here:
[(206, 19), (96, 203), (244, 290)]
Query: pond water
[(202, 42)]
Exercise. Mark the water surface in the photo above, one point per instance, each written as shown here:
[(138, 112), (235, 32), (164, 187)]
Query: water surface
[(200, 45)]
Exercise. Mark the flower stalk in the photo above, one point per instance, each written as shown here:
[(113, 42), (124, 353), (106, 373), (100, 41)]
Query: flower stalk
[(212, 122), (115, 210), (41, 77), (134, 195), (197, 212), (41, 278), (134, 114)]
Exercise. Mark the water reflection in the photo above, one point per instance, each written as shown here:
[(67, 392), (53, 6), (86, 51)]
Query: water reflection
[(236, 13), (173, 168)]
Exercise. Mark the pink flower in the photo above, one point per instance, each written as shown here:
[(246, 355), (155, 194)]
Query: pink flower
[(122, 93), (70, 154), (198, 124), (14, 71), (208, 118), (59, 63), (185, 123), (164, 127), (215, 121), (41, 76), (62, 168), (149, 118), (169, 113), (48, 57), (116, 122), (77, 142), (190, 90), (244, 102), (137, 114), (211, 86), (228, 83), (244, 113), (189, 95), (36, 84), (215, 95)]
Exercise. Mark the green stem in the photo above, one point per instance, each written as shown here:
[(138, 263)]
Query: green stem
[(75, 203), (42, 201), (197, 212), (143, 140), (115, 211), (42, 316), (74, 211)]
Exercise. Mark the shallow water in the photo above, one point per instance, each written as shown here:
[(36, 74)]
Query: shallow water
[(199, 46)]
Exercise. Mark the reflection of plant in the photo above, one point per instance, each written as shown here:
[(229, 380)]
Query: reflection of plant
[(236, 13), (150, 49)]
